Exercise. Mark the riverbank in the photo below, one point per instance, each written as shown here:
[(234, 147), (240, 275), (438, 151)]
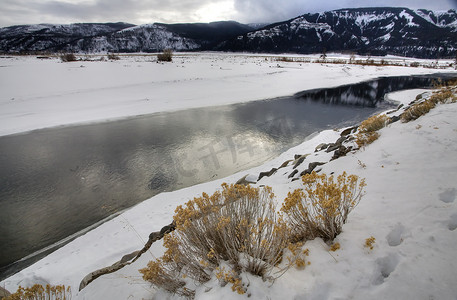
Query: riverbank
[(40, 93), (128, 232), (409, 208)]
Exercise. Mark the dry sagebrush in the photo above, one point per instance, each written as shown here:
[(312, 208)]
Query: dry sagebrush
[(237, 226), (238, 230), (441, 96), (39, 292), (165, 56), (367, 132), (321, 208), (68, 57)]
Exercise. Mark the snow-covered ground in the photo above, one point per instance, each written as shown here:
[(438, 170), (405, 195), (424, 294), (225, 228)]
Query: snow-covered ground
[(37, 93), (409, 207)]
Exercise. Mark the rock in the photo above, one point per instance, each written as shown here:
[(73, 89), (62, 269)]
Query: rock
[(337, 144), (321, 146), (285, 164), (167, 229), (268, 174), (391, 111), (154, 236), (245, 180), (341, 140), (332, 147), (242, 180), (349, 130), (292, 174), (300, 160), (311, 167), (297, 156), (394, 119), (341, 151), (4, 293), (127, 259)]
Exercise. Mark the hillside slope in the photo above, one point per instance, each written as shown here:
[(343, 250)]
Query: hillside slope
[(379, 31), (376, 31)]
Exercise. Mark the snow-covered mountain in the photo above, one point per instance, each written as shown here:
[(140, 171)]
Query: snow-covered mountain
[(118, 37), (401, 31), (52, 37), (376, 31), (150, 37)]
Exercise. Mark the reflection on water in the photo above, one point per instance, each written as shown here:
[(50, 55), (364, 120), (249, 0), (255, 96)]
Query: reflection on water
[(369, 93), (56, 182)]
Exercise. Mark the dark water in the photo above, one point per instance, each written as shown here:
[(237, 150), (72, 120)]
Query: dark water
[(56, 182)]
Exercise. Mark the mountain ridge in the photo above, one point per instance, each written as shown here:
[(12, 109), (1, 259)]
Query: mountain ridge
[(377, 31), (374, 31)]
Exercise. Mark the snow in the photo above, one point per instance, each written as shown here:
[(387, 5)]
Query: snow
[(388, 27), (302, 23), (409, 206), (364, 19), (384, 38), (409, 18), (46, 93), (427, 15)]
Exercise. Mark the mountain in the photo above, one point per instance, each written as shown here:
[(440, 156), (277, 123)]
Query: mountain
[(377, 31), (208, 35), (52, 37), (118, 37), (142, 38)]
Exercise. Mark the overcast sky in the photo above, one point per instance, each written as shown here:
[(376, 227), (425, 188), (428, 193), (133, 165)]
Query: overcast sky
[(14, 12)]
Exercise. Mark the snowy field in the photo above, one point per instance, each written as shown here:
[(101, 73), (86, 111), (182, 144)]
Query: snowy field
[(409, 206), (37, 93)]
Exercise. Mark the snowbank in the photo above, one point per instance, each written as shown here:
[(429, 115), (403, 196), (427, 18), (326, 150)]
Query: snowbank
[(410, 204), (409, 208), (38, 93)]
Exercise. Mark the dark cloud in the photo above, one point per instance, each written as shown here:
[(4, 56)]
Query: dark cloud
[(133, 11), (172, 11)]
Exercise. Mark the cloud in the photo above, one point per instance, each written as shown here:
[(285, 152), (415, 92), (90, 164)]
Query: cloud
[(133, 11), (172, 11), (272, 11)]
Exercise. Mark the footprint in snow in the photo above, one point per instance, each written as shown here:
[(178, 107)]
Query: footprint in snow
[(448, 196), (452, 223), (384, 267), (397, 235)]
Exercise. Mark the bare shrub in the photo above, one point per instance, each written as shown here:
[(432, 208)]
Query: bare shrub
[(374, 123), (417, 110), (335, 247), (232, 277), (167, 276), (68, 57), (296, 256), (322, 207), (367, 130), (446, 94), (37, 291), (366, 138), (285, 59), (112, 56), (443, 96), (237, 226), (369, 242), (166, 55)]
